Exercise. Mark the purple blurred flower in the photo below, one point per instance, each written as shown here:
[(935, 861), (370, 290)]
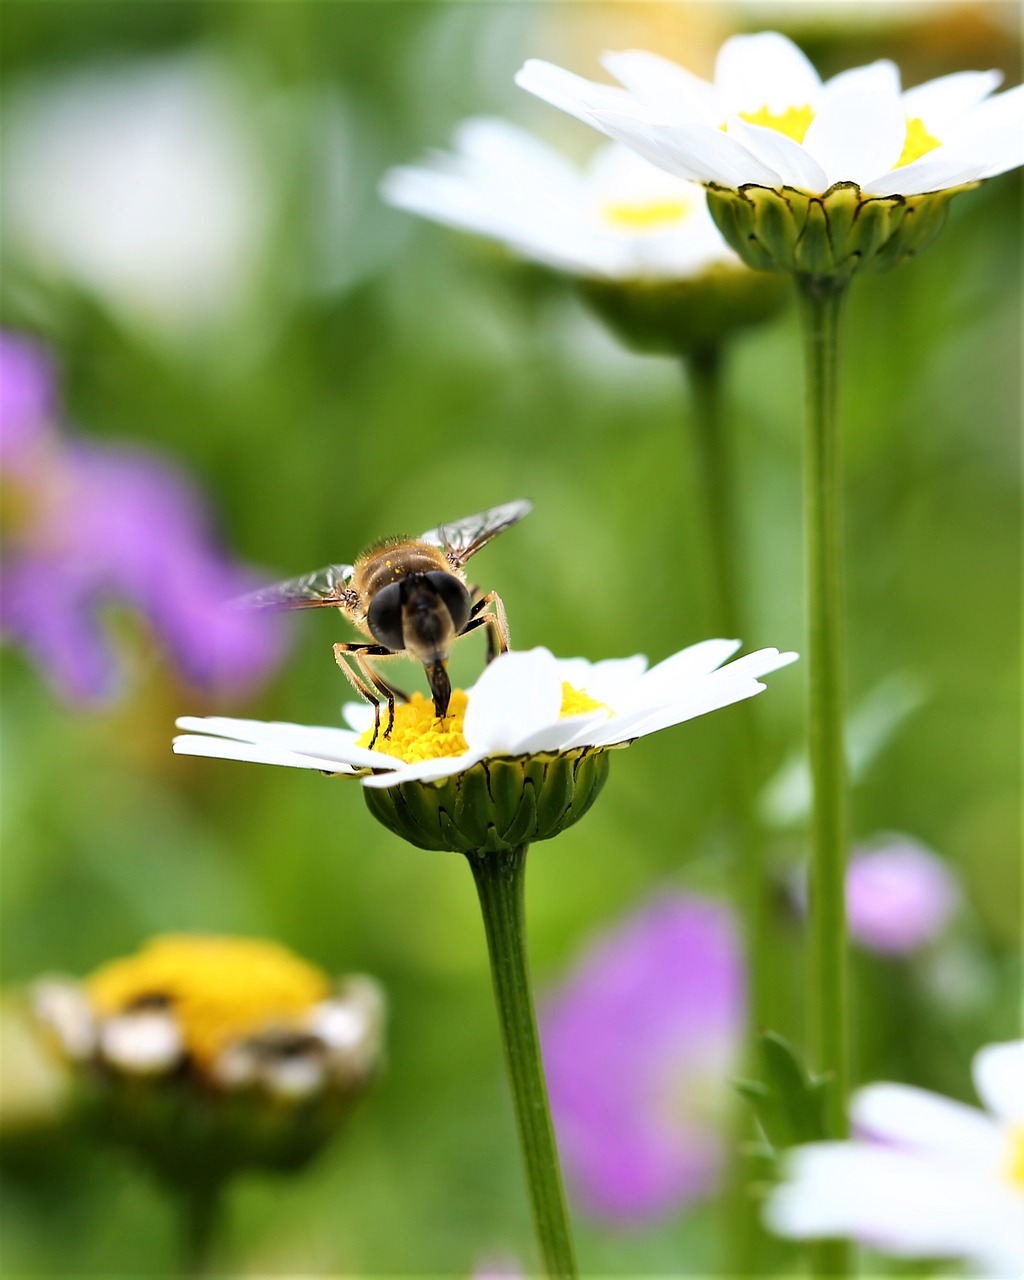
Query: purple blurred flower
[(639, 1043), (90, 526), (26, 404), (899, 895)]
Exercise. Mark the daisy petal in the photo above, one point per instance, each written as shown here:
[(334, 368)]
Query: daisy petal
[(903, 1116), (764, 70), (899, 1203), (518, 694), (940, 103), (933, 173), (689, 151), (999, 1080), (572, 93), (664, 85), (556, 737), (337, 745), (795, 166), (424, 770), (861, 129), (645, 720), (609, 681), (511, 156), (192, 744)]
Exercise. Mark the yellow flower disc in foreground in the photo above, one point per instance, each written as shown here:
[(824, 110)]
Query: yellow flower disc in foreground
[(418, 734), (219, 989)]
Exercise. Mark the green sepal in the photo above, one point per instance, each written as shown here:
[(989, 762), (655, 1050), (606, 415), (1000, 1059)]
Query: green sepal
[(834, 235), (789, 1102), (498, 804), (667, 317)]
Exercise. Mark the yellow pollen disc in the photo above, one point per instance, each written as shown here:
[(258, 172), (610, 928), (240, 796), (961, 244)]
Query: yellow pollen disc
[(1015, 1167), (649, 216), (576, 702), (793, 122), (919, 142), (219, 989), (417, 734)]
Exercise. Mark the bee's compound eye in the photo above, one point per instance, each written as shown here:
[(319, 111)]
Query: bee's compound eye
[(454, 595), (384, 617)]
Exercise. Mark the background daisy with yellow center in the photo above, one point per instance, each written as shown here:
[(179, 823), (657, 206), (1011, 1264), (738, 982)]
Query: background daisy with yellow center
[(769, 119)]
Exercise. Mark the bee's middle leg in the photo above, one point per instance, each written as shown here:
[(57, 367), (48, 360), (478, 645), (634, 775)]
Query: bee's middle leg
[(496, 623)]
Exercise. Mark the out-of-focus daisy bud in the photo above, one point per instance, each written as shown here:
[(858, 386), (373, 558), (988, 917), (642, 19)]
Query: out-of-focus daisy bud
[(215, 1054)]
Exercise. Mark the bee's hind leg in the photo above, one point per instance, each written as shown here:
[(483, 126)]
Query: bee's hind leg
[(496, 623)]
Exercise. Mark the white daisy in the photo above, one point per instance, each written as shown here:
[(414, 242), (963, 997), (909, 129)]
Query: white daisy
[(619, 218), (525, 704), (933, 1179), (768, 119)]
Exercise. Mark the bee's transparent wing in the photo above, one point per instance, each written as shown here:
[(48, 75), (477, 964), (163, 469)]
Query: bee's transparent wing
[(463, 538), (322, 589)]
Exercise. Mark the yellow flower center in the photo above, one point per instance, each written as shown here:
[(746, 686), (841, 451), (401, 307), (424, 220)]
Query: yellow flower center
[(417, 734), (1015, 1165), (641, 216), (795, 121), (219, 989), (576, 702), (919, 142)]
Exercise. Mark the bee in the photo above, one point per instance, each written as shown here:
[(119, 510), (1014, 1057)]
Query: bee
[(409, 596)]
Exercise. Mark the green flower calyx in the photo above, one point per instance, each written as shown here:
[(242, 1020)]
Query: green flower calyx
[(834, 235), (497, 804)]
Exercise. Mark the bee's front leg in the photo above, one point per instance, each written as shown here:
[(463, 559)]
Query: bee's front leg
[(366, 682)]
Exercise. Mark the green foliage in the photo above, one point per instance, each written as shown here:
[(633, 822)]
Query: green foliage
[(788, 1100)]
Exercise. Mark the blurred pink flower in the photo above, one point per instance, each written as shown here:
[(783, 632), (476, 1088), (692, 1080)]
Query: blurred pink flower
[(639, 1043), (899, 895), (89, 525)]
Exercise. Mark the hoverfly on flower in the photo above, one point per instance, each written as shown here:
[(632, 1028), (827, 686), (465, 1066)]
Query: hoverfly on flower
[(410, 596)]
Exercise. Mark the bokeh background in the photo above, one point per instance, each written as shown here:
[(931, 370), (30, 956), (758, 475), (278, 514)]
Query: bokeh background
[(329, 371)]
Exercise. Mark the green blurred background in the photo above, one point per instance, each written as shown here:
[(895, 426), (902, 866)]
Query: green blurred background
[(380, 375)]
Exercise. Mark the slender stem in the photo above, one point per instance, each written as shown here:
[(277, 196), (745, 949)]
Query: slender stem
[(704, 367), (715, 476), (716, 498), (500, 879), (201, 1205), (821, 305)]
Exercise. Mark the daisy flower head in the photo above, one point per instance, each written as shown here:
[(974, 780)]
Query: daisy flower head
[(817, 177), (519, 757), (215, 1050), (929, 1177), (640, 241)]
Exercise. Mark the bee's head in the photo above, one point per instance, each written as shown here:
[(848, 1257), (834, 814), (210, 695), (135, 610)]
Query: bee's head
[(422, 614)]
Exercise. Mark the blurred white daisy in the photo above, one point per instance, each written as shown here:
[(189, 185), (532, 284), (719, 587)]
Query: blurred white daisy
[(142, 183), (617, 218), (931, 1178), (768, 119), (525, 704)]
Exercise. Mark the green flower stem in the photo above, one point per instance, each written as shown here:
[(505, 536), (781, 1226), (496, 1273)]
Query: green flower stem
[(714, 473), (500, 879), (715, 477), (821, 304), (201, 1209)]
